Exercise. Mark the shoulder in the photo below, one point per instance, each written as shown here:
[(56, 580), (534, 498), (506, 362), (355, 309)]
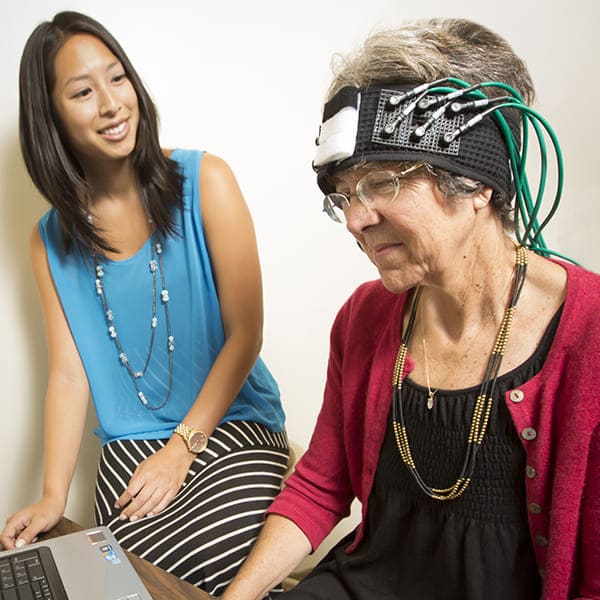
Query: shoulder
[(221, 194), (36, 244), (578, 334), (214, 170), (582, 299), (211, 168), (581, 276), (48, 229), (38, 253)]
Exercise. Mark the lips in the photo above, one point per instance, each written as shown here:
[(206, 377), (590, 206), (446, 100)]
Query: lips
[(381, 249), (385, 254)]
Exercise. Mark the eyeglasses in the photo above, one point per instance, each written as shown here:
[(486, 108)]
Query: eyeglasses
[(374, 188)]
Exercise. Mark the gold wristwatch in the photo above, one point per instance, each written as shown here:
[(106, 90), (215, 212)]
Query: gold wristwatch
[(195, 439)]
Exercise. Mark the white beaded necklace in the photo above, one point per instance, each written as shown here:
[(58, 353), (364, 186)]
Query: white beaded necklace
[(155, 264)]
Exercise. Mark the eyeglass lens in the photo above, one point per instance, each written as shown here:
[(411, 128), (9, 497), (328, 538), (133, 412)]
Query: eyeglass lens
[(376, 187)]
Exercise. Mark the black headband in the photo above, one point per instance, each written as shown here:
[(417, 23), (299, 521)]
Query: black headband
[(403, 123)]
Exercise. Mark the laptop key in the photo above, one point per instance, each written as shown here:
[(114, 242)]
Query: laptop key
[(10, 594), (25, 592), (36, 572), (37, 590), (6, 581)]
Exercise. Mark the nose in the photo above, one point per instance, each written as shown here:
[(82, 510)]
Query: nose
[(108, 103), (359, 217)]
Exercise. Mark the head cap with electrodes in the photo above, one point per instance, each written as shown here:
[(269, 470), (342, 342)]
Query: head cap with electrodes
[(449, 124)]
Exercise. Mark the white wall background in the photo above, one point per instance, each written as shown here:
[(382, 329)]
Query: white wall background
[(245, 80)]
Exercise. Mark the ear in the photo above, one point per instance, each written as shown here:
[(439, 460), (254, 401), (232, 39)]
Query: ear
[(482, 199)]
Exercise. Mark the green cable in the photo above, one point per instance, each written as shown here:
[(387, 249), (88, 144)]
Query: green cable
[(526, 210)]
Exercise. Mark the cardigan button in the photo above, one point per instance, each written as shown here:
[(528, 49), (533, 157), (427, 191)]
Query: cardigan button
[(534, 508), (530, 472), (540, 540), (529, 433), (516, 396)]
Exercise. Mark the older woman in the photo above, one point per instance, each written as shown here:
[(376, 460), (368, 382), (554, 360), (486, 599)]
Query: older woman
[(460, 407)]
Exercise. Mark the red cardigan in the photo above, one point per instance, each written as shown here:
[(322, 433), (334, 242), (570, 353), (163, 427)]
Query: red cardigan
[(557, 414)]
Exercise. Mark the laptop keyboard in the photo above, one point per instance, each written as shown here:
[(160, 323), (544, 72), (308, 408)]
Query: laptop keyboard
[(30, 575)]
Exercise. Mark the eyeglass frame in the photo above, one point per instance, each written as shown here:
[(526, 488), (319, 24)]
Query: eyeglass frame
[(329, 204)]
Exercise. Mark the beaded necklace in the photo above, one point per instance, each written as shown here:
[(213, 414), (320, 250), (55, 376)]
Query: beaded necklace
[(483, 404), (155, 264)]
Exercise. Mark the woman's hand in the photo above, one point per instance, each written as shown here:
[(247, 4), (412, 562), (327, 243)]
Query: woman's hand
[(155, 482), (24, 526)]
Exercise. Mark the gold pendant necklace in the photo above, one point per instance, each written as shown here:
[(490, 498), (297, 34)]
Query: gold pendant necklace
[(430, 393), (483, 404)]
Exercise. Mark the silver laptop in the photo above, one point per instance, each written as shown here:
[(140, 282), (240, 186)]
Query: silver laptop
[(85, 565)]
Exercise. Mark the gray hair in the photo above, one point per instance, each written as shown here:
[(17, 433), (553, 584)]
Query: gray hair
[(430, 49), (425, 50)]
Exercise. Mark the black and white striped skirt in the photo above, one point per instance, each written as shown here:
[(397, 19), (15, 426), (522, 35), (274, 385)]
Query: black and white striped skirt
[(207, 530)]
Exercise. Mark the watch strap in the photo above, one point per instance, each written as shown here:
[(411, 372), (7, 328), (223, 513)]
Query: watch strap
[(186, 432)]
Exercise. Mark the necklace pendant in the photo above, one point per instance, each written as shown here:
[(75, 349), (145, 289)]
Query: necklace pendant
[(430, 400)]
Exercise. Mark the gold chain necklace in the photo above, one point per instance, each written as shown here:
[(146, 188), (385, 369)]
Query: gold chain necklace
[(483, 404)]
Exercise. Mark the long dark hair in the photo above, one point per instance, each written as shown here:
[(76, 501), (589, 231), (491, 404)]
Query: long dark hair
[(52, 166)]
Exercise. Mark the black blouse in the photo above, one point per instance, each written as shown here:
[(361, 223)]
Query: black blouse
[(476, 547)]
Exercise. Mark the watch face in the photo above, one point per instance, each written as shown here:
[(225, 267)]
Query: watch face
[(198, 442)]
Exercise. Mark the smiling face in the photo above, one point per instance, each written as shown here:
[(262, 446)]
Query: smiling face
[(95, 102), (415, 238)]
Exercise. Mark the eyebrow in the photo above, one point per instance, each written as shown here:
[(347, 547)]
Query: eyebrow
[(77, 78)]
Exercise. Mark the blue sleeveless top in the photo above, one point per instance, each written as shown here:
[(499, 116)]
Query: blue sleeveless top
[(195, 318)]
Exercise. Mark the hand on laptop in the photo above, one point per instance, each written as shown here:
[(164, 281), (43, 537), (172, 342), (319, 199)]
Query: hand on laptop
[(25, 525), (155, 482)]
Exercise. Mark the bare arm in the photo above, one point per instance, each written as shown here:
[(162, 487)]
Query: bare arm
[(279, 549), (234, 255), (66, 405), (231, 241)]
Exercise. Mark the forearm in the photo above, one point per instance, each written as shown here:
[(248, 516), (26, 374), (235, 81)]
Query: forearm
[(65, 417), (279, 549)]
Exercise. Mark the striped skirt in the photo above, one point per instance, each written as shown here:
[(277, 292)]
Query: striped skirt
[(207, 530)]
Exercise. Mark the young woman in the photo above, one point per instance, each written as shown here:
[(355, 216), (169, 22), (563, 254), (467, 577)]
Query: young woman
[(150, 282)]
